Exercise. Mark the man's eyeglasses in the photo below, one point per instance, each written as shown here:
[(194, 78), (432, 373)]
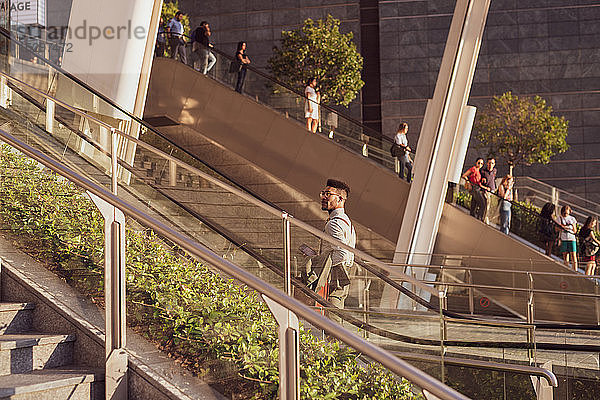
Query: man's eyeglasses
[(327, 193)]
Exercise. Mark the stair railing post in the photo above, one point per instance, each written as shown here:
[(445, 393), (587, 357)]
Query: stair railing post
[(289, 350), (116, 366), (471, 292), (287, 253), (443, 329), (114, 160), (50, 106), (596, 302), (4, 92), (289, 343), (530, 320)]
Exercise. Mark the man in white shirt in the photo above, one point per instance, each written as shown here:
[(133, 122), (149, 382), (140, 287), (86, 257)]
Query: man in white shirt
[(402, 152), (176, 38), (337, 283)]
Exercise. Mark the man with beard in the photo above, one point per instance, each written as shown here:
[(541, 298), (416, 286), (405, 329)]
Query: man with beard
[(330, 276)]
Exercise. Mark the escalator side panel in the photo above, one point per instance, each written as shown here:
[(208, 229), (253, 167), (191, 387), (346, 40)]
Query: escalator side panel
[(279, 145), (459, 233)]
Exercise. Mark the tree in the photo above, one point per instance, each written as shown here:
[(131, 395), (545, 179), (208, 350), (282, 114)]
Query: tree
[(522, 130), (319, 50)]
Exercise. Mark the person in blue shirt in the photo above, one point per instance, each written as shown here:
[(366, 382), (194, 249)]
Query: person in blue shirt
[(161, 39), (176, 38)]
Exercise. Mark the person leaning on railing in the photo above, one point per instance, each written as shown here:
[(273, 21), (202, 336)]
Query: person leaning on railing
[(505, 192), (488, 183), (241, 60), (473, 183), (588, 245), (401, 151), (176, 37)]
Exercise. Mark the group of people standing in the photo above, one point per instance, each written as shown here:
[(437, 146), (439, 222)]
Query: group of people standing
[(203, 59), (480, 180), (562, 230)]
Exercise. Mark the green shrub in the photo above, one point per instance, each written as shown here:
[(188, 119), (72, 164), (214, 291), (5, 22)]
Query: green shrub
[(177, 302)]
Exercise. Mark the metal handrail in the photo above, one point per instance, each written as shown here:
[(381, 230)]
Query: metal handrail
[(391, 362), (370, 131), (7, 34), (266, 207), (489, 365), (519, 271)]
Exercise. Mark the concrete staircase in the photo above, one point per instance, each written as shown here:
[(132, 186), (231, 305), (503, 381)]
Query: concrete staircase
[(40, 366)]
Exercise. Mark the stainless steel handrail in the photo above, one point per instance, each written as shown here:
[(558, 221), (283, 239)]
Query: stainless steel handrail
[(266, 207), (384, 357), (518, 271), (493, 366)]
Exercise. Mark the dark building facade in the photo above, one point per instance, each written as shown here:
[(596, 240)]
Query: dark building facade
[(549, 48)]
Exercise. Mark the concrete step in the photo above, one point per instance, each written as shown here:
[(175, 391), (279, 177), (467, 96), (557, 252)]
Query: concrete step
[(15, 317), (53, 384), (22, 353)]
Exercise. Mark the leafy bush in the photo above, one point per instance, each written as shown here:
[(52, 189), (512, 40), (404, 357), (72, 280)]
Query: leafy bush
[(177, 302)]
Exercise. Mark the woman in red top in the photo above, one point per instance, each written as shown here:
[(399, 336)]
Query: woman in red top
[(478, 200)]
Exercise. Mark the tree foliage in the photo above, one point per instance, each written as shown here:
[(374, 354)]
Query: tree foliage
[(177, 302), (522, 130), (318, 49)]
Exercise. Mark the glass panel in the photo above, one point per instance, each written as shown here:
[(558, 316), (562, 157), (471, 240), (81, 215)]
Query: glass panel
[(342, 129)]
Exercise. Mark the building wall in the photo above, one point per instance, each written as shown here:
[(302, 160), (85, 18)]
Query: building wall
[(546, 48), (549, 48), (260, 22)]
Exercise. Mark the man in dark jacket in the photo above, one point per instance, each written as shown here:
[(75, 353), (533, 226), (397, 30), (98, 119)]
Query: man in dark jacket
[(488, 182), (205, 59)]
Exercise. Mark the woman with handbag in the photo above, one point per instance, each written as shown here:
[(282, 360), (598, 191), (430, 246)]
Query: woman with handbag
[(242, 60), (588, 245), (548, 227)]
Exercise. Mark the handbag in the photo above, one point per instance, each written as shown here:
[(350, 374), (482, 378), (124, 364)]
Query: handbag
[(235, 66), (590, 247)]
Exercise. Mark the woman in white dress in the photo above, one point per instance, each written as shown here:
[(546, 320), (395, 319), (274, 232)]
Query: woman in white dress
[(311, 105)]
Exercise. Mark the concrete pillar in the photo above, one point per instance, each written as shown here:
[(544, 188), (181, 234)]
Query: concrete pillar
[(439, 135)]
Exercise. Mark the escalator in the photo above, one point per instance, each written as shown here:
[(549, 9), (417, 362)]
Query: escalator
[(206, 117), (223, 219)]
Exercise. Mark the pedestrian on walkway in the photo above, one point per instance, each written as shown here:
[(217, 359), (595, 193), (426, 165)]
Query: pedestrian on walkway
[(568, 246), (401, 151), (176, 38), (201, 45), (311, 105), (488, 183), (472, 179), (243, 60), (548, 227), (505, 192), (588, 245), (329, 273), (161, 39)]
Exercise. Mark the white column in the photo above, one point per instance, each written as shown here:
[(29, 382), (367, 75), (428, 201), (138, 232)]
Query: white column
[(439, 134), (462, 144), (110, 49)]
